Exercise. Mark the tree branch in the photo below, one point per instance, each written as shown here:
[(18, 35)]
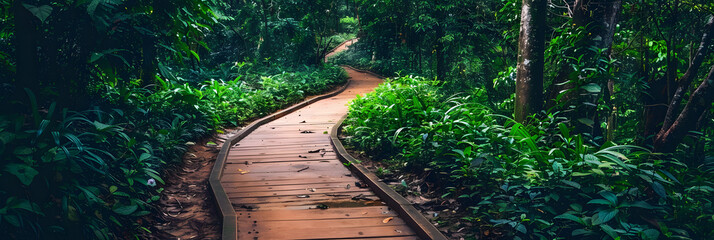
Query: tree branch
[(689, 76)]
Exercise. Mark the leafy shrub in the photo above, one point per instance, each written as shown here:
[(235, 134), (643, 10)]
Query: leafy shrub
[(91, 174), (348, 24), (538, 180)]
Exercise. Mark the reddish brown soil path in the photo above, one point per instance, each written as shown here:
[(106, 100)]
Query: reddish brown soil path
[(343, 46), (186, 209)]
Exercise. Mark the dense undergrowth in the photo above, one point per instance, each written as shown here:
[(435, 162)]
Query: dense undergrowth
[(93, 173), (538, 181)]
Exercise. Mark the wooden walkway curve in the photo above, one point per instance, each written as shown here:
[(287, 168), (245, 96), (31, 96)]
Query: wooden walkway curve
[(279, 178), (285, 181)]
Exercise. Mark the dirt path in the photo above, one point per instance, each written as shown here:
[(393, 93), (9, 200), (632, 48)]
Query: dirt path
[(341, 48), (186, 208)]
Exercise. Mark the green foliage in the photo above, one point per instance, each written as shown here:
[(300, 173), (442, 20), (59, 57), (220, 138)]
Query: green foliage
[(92, 173), (349, 24), (72, 174), (540, 180)]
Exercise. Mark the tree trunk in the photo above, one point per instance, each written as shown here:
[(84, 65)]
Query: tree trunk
[(699, 102), (672, 130), (25, 48), (599, 19), (439, 51), (531, 47), (148, 63), (691, 73)]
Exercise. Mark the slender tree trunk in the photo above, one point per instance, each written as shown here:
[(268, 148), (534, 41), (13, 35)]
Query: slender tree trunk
[(699, 102), (690, 74), (25, 48), (440, 63), (531, 47), (675, 124), (148, 63)]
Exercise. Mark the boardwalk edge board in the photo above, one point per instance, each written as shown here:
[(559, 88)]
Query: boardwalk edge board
[(394, 200), (228, 214)]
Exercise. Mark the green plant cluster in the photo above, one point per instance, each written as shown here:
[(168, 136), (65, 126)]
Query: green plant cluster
[(92, 174), (538, 180)]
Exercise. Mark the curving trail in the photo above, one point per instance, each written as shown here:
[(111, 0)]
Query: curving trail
[(284, 180)]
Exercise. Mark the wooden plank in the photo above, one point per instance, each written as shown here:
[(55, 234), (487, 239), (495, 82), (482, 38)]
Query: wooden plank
[(331, 213), (277, 160), (298, 166), (283, 152), (287, 181), (238, 147), (331, 233), (288, 225), (245, 198), (317, 186), (297, 192), (301, 154), (284, 175)]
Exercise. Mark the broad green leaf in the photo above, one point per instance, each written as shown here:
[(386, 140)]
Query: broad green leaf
[(144, 156), (125, 210), (610, 197), (586, 121), (578, 232), (640, 204), (41, 12), (659, 189), (600, 201), (592, 88), (605, 216), (23, 172), (569, 216), (571, 183), (609, 230), (650, 234)]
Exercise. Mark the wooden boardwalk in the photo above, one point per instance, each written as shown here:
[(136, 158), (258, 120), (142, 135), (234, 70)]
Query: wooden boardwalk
[(285, 181)]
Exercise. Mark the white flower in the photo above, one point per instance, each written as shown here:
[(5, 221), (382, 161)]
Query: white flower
[(151, 182)]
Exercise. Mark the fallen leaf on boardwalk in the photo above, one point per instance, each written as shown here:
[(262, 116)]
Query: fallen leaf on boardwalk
[(397, 231), (316, 150), (348, 186), (361, 197), (303, 196), (364, 213), (306, 131), (386, 220), (303, 121), (323, 206), (311, 189), (303, 169), (241, 171), (301, 156)]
